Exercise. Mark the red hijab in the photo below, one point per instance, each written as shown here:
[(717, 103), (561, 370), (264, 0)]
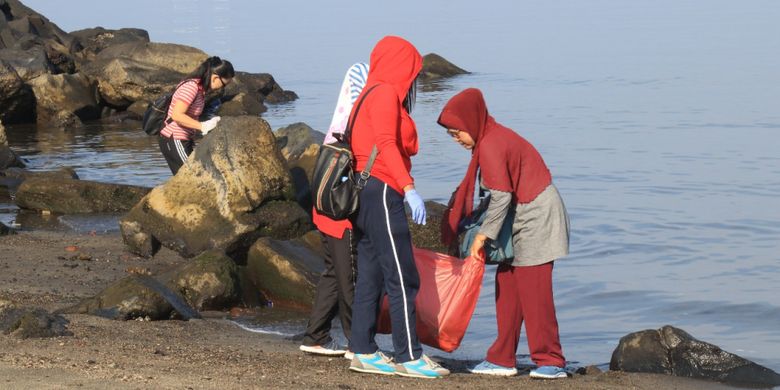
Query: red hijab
[(504, 159)]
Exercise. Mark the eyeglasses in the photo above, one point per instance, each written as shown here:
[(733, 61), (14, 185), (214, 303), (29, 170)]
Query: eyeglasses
[(224, 84)]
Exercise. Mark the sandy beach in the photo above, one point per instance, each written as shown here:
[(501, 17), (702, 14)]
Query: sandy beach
[(43, 269)]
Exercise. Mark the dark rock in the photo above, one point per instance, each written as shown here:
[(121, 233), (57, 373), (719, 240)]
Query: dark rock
[(262, 84), (13, 177), (436, 67), (177, 58), (95, 40), (209, 282), (285, 272), (214, 202), (17, 101), (313, 241), (302, 145), (300, 137), (242, 103), (136, 296), (28, 64), (60, 97), (69, 196), (24, 27), (282, 220), (8, 158), (589, 370), (26, 323), (140, 71), (672, 351)]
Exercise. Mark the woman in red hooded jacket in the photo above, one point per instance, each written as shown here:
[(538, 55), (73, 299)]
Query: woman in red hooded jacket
[(515, 174), (385, 259)]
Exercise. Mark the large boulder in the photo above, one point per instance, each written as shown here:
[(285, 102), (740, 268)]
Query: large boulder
[(25, 29), (123, 81), (28, 64), (72, 93), (436, 67), (140, 71), (178, 58), (23, 323), (17, 101), (246, 94), (22, 27), (285, 272), (209, 282), (214, 200), (302, 145), (136, 296), (242, 103), (95, 40), (13, 177), (263, 85), (672, 351), (70, 196), (8, 158)]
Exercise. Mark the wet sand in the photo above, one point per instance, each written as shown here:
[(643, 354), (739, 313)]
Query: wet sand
[(38, 269)]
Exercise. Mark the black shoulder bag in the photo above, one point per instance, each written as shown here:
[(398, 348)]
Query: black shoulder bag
[(335, 188)]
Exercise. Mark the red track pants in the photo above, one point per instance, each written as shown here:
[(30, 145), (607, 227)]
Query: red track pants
[(525, 294)]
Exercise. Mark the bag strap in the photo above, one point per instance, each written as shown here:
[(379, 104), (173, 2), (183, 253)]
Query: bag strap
[(348, 130), (366, 173)]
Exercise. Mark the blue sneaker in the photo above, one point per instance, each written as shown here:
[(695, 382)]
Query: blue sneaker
[(548, 372), (372, 363), (489, 368), (423, 367)]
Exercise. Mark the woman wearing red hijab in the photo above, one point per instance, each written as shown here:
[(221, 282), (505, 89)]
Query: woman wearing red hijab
[(515, 174), (385, 258)]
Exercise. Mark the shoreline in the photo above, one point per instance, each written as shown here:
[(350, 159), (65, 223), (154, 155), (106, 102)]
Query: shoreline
[(208, 353)]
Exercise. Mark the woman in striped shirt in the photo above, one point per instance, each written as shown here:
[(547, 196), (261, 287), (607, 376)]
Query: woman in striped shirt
[(177, 138)]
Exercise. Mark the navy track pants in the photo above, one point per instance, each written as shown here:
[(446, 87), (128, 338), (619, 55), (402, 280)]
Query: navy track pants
[(385, 264)]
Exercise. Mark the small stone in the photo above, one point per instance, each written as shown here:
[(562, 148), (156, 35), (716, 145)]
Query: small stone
[(589, 370), (71, 248)]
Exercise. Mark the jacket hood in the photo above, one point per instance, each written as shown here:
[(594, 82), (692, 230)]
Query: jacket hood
[(395, 61)]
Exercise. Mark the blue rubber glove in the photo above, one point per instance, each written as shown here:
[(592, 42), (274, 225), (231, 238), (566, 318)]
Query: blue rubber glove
[(417, 205)]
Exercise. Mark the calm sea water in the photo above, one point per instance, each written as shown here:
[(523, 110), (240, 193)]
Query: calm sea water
[(658, 119)]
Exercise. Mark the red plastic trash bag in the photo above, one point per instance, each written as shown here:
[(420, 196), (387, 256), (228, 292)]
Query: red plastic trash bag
[(449, 290)]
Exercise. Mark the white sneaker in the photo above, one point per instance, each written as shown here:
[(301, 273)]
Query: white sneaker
[(488, 368), (330, 349)]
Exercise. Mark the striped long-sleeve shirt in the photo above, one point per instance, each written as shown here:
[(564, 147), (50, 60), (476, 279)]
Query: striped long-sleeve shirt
[(192, 94)]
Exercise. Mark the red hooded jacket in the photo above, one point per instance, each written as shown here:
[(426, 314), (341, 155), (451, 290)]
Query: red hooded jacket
[(382, 120)]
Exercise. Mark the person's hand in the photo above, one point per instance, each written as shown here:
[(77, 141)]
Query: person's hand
[(209, 125), (417, 205), (476, 247)]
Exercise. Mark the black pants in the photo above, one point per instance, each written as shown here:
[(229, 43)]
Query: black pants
[(175, 151), (335, 290), (385, 263)]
